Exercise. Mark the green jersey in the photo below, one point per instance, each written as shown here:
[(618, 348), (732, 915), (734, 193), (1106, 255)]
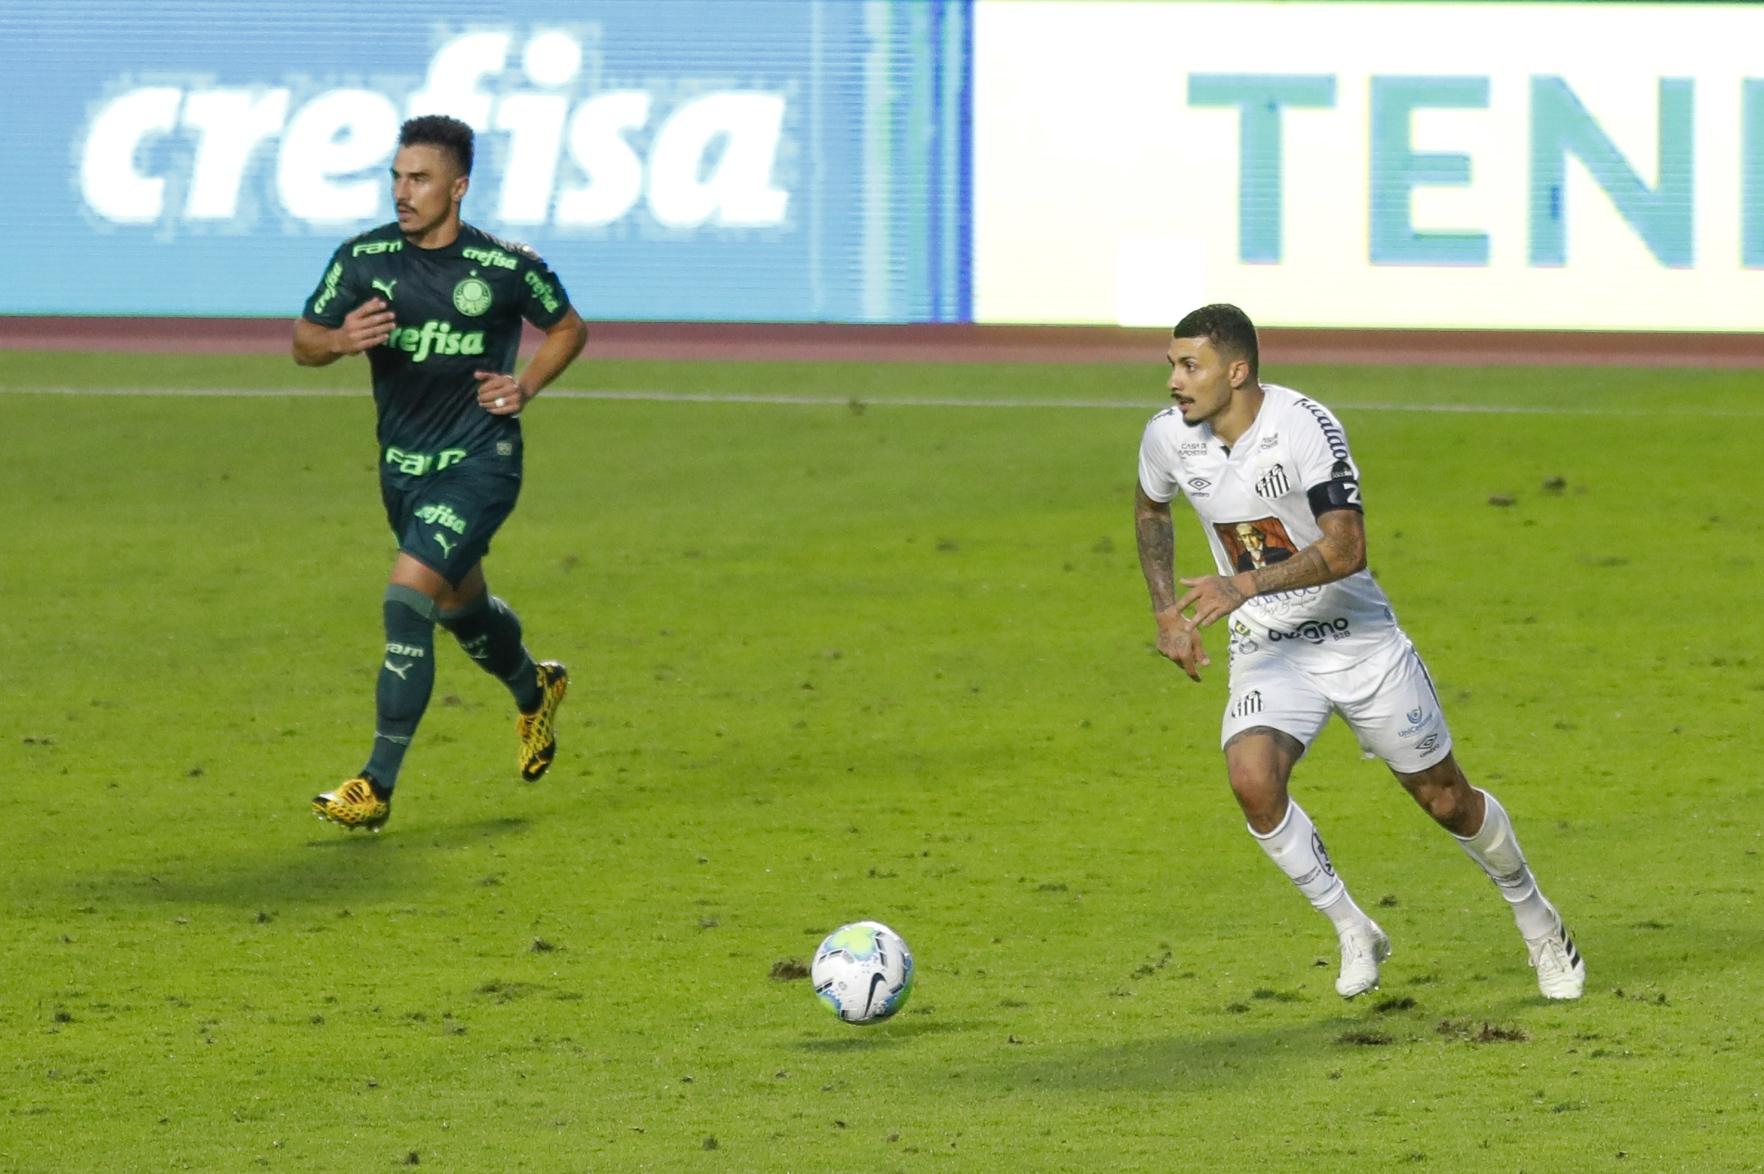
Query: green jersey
[(459, 310)]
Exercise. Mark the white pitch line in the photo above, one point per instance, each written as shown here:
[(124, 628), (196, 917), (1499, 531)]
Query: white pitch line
[(848, 401)]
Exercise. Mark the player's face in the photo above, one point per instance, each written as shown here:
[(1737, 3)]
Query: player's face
[(1200, 379), (426, 189)]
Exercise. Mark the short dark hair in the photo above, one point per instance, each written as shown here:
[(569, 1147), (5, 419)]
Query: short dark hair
[(439, 130), (1228, 328)]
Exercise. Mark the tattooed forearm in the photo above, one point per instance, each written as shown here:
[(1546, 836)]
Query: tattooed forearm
[(1157, 551), (1307, 568), (1339, 553)]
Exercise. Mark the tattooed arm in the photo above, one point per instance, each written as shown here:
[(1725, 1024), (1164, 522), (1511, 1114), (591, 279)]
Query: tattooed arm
[(1157, 549), (1339, 553), (1177, 639)]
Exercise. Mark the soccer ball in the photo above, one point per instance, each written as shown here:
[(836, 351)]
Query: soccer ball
[(863, 972)]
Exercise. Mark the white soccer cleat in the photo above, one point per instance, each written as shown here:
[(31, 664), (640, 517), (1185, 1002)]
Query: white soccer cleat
[(1561, 971), (1362, 948)]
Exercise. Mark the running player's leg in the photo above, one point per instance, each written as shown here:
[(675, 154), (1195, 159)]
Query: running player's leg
[(489, 632), (1273, 715), (473, 503), (1402, 720), (401, 694), (1482, 828), (407, 672)]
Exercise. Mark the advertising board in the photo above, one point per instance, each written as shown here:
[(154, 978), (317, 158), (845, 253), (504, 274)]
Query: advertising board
[(1498, 165), (790, 160)]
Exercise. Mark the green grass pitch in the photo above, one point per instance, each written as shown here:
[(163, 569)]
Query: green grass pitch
[(858, 658)]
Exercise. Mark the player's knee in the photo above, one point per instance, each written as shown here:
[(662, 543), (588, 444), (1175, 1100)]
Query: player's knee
[(1444, 794), (1262, 796), (1441, 803)]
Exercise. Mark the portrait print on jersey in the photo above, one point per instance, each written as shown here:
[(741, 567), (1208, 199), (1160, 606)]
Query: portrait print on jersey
[(1253, 545)]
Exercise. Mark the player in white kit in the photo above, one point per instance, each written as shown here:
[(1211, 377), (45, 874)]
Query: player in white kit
[(1269, 473)]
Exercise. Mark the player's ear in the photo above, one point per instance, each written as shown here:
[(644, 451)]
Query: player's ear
[(459, 187), (1238, 372)]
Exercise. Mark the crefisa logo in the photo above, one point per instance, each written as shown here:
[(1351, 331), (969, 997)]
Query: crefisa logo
[(554, 149)]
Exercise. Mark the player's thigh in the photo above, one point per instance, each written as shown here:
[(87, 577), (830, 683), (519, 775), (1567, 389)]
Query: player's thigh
[(1267, 692), (1395, 711), (447, 520)]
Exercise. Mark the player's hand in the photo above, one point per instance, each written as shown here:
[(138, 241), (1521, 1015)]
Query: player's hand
[(1180, 642), (500, 393), (1213, 597), (365, 327)]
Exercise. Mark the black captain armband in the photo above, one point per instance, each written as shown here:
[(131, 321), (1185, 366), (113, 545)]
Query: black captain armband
[(1339, 493)]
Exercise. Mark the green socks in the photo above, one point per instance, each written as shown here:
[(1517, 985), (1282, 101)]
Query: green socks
[(490, 633), (407, 677)]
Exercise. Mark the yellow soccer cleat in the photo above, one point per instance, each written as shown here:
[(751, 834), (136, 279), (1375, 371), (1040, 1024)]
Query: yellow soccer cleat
[(356, 804), (538, 741)]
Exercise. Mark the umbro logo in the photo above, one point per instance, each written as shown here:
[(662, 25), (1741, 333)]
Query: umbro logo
[(1199, 483)]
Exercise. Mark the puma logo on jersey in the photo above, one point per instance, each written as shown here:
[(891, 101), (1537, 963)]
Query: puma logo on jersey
[(385, 287), (447, 546), (400, 669)]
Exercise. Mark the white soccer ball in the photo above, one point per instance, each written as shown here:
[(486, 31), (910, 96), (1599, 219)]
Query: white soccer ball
[(863, 972)]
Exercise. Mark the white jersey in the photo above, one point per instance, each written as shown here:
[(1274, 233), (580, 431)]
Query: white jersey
[(1254, 499)]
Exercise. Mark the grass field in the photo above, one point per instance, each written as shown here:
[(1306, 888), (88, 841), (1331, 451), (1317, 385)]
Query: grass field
[(858, 658)]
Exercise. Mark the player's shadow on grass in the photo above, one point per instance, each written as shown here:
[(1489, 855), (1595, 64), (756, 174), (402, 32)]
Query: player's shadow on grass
[(453, 835), (327, 870), (1192, 1061)]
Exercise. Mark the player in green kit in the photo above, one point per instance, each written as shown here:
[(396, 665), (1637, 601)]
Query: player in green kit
[(437, 307)]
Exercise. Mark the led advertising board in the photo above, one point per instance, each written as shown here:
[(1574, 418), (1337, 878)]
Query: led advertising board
[(1547, 166), (791, 160)]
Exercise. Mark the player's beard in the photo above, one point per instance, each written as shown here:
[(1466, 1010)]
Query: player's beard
[(416, 229)]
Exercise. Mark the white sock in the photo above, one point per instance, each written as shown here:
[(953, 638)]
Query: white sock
[(1496, 849), (1297, 848)]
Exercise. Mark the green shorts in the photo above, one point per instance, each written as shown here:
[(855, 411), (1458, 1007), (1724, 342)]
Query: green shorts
[(445, 520)]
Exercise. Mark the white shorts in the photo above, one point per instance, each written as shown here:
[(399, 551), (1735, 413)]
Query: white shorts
[(1387, 699)]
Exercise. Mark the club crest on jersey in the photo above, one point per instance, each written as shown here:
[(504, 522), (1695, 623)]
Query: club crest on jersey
[(1274, 483), (471, 297)]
